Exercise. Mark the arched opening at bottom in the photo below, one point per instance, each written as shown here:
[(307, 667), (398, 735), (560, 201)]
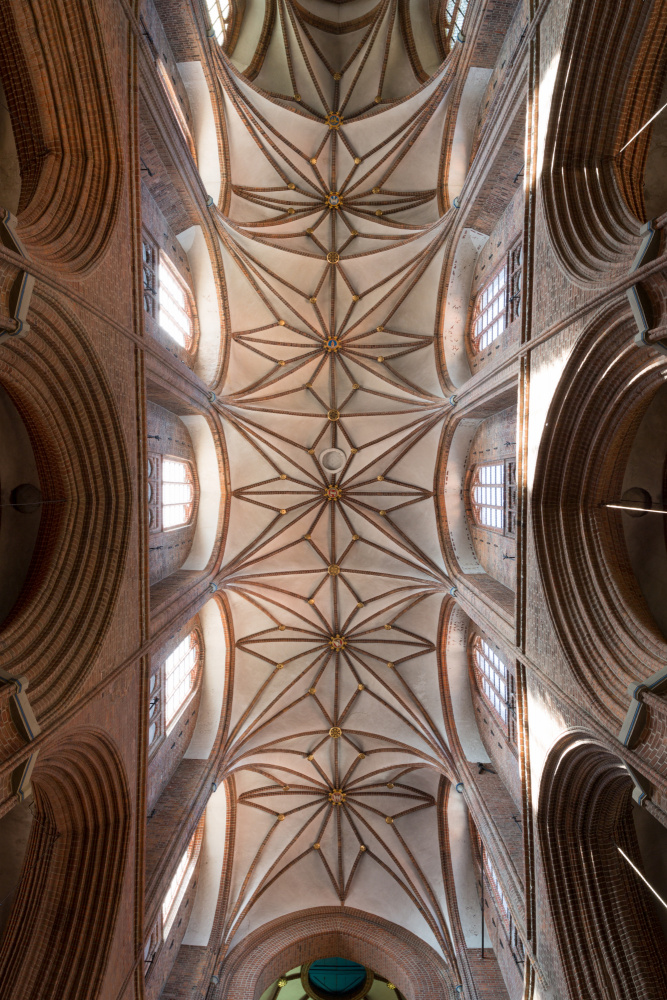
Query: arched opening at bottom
[(15, 829), (72, 874), (332, 978), (610, 940), (277, 949)]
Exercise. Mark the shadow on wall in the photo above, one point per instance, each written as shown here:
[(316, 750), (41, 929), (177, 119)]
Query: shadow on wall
[(20, 504), (655, 177), (652, 841), (76, 853), (610, 942), (10, 172), (646, 533), (15, 829)]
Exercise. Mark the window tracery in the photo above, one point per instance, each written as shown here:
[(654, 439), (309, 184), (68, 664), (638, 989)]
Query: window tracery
[(488, 496), (171, 493), (503, 909), (175, 103), (179, 882), (493, 496), (180, 671), (171, 686), (499, 302), (178, 493), (220, 12), (456, 12), (489, 316), (492, 676), (176, 313), (149, 271)]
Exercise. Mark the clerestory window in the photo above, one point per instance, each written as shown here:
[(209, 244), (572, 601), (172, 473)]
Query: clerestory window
[(176, 313), (456, 12), (489, 318), (219, 12), (502, 906), (177, 493), (177, 886), (492, 678), (498, 303), (493, 496), (171, 685), (180, 671)]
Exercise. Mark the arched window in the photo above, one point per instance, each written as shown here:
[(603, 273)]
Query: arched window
[(488, 496), (502, 906), (456, 12), (180, 670), (177, 887), (171, 686), (220, 12), (492, 678), (179, 113), (496, 885), (493, 496), (176, 314), (153, 710), (499, 302), (178, 493), (489, 316)]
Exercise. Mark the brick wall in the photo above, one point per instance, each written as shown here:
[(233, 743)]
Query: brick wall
[(83, 632), (486, 973)]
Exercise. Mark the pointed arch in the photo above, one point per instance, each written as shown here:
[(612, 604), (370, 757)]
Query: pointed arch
[(72, 873)]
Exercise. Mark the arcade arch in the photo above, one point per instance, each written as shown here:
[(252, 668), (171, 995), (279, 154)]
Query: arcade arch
[(76, 852), (610, 941)]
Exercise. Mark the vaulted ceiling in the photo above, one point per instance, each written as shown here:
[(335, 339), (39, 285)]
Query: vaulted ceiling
[(333, 239)]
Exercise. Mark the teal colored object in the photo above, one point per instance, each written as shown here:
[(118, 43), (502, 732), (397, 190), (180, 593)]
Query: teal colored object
[(336, 977)]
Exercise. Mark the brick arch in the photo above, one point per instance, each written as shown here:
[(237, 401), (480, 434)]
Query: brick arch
[(593, 597), (72, 873), (610, 945), (383, 946), (62, 393), (592, 197), (69, 149)]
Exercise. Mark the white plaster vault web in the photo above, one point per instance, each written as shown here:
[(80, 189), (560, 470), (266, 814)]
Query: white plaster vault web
[(333, 245)]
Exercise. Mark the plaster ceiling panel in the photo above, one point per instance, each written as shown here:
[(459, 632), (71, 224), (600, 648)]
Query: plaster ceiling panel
[(342, 13), (274, 75), (335, 578), (418, 310), (399, 76), (375, 894), (245, 306), (249, 33), (422, 33), (246, 160), (289, 894)]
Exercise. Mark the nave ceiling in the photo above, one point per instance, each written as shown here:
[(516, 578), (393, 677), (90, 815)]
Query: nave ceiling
[(333, 240)]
